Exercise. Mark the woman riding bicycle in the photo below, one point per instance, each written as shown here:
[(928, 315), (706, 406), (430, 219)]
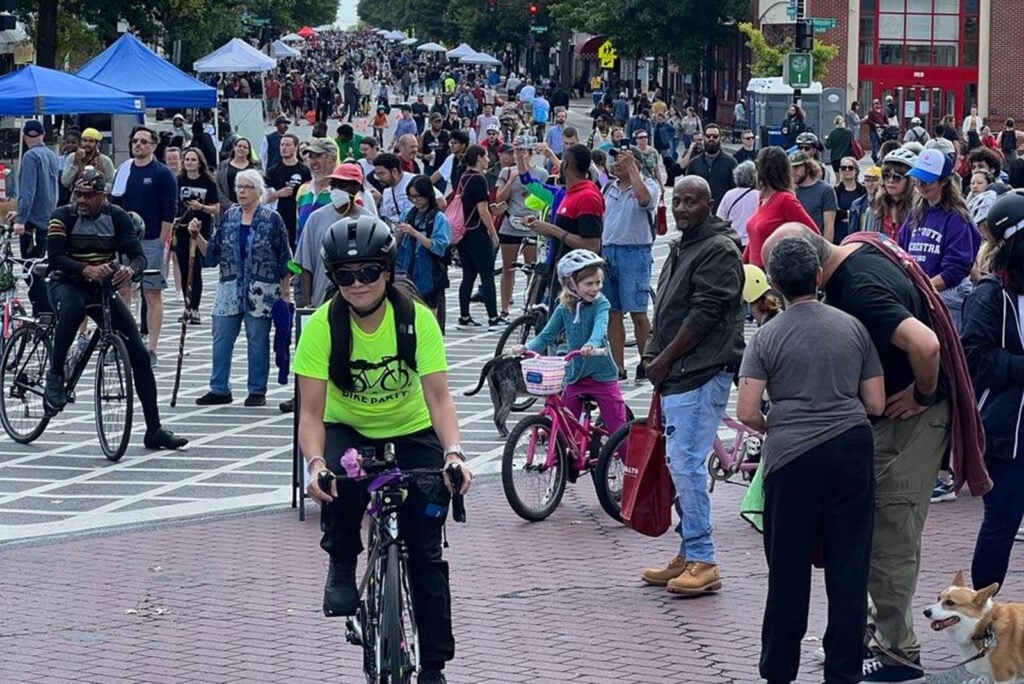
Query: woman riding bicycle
[(362, 386), (583, 317)]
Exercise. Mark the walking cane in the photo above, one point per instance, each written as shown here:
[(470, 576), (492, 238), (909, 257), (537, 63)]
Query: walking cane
[(184, 318)]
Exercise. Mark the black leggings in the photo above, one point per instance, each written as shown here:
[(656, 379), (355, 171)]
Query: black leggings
[(69, 300), (476, 253), (341, 524), (181, 255)]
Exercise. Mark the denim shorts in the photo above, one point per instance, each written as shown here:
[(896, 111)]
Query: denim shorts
[(629, 276), (154, 251)]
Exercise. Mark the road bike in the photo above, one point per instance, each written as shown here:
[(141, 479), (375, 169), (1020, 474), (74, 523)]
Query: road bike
[(546, 451), (741, 456), (384, 623), (26, 360)]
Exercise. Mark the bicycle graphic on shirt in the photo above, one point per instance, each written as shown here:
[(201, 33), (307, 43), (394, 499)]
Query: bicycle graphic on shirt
[(389, 374)]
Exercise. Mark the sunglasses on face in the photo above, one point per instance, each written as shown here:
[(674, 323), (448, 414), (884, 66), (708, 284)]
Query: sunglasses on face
[(892, 176), (807, 148), (142, 141), (365, 275), (748, 137), (711, 137), (847, 168)]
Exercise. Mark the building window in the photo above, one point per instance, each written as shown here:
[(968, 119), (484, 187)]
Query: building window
[(919, 32), (890, 53)]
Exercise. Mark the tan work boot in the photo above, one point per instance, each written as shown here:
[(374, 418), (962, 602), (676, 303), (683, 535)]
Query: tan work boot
[(659, 577), (696, 578)]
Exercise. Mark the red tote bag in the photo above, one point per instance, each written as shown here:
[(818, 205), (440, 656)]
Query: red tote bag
[(647, 489)]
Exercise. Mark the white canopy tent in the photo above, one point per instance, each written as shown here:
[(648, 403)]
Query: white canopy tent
[(381, 32), (293, 38), (462, 51), (480, 58), (432, 47), (396, 35), (410, 41), (235, 55), (281, 49)]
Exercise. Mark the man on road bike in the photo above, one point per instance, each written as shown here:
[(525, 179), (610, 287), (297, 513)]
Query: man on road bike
[(360, 389), (82, 241)]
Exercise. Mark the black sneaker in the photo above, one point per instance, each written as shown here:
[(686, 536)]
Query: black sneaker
[(162, 438), (55, 395), (874, 671), (496, 323), (432, 677), (287, 406), (341, 597), (641, 373), (256, 400), (467, 323), (213, 399)]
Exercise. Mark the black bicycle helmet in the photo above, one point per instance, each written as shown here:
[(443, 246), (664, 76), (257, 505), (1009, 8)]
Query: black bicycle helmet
[(353, 239), (90, 180), (807, 138), (1006, 217)]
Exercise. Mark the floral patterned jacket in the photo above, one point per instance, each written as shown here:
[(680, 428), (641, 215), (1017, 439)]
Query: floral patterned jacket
[(252, 287)]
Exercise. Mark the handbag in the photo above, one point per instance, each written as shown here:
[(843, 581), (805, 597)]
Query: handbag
[(647, 489), (661, 217), (855, 147), (455, 214)]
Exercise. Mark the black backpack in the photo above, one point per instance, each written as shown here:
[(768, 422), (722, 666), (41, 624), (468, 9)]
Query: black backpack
[(339, 369)]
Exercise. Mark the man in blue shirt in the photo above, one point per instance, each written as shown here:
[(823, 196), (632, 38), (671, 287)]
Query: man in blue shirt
[(151, 191), (554, 136), (406, 124), (37, 199)]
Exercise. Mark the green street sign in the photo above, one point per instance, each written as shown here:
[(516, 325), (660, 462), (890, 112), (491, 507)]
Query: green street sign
[(797, 69), (823, 25), (539, 29)]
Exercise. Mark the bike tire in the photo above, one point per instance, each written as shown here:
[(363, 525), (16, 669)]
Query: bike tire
[(23, 367), (113, 384), (609, 470), (395, 655), (538, 430), (519, 331)]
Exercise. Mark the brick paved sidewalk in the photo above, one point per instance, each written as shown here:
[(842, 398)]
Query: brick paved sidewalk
[(236, 599)]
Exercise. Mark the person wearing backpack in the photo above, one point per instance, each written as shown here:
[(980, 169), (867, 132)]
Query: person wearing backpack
[(424, 244), (478, 240), (372, 370)]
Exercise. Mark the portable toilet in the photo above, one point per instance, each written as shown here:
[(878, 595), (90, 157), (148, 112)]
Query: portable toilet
[(768, 100)]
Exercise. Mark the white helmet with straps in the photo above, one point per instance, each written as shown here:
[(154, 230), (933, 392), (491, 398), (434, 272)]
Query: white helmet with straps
[(576, 260)]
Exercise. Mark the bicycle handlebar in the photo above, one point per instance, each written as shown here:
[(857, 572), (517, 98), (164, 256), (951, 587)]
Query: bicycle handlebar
[(598, 351)]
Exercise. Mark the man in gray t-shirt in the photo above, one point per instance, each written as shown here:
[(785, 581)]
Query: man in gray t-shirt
[(816, 196), (307, 253)]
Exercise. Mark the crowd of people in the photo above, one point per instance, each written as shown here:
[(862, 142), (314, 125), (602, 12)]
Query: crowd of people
[(871, 393)]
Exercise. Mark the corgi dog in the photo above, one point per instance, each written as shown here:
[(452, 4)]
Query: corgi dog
[(980, 625)]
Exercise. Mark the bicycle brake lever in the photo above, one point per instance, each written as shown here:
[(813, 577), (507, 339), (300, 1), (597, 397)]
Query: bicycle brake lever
[(458, 501)]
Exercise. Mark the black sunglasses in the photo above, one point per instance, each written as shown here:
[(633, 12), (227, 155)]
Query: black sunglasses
[(847, 168), (365, 275), (892, 176)]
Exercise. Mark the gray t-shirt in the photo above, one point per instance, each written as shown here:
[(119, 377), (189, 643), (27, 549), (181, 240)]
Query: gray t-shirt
[(307, 252), (814, 358), (517, 200), (817, 199)]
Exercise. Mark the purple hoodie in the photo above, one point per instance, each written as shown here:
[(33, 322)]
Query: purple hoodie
[(942, 243)]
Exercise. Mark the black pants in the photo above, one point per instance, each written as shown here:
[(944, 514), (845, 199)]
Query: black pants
[(181, 255), (1004, 509), (476, 254), (69, 300), (825, 495), (341, 524), (33, 246)]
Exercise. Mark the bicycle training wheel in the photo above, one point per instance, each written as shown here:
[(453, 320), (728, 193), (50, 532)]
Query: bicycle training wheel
[(397, 666), (610, 470), (23, 367), (532, 487), (113, 397)]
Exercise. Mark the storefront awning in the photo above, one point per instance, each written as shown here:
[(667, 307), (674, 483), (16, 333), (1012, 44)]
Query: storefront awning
[(589, 47)]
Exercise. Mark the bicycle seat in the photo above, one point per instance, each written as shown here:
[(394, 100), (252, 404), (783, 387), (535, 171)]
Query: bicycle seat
[(588, 401)]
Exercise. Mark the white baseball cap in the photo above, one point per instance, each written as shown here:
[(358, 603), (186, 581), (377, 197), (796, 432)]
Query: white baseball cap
[(931, 165)]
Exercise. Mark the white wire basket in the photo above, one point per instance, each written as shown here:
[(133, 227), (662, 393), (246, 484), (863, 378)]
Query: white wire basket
[(543, 375)]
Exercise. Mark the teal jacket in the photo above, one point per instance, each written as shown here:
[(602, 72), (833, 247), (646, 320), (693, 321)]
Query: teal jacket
[(592, 329)]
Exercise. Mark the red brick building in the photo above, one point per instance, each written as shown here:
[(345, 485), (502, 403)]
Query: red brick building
[(935, 57)]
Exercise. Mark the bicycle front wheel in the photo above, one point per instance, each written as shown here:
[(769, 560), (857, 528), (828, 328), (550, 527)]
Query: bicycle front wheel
[(394, 645), (533, 488), (520, 331), (113, 398), (23, 366), (610, 470)]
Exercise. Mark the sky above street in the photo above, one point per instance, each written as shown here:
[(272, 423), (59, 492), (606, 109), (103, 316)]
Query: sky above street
[(347, 13)]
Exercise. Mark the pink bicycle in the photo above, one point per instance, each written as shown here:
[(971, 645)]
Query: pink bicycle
[(12, 312), (545, 451), (741, 456)]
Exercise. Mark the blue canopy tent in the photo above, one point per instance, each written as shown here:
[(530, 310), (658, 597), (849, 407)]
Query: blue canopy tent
[(130, 64), (35, 90)]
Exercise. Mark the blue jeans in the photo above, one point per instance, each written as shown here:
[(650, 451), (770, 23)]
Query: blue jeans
[(691, 423), (257, 336), (1004, 510)]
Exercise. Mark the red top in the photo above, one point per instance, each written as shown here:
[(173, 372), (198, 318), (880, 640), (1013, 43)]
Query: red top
[(781, 207)]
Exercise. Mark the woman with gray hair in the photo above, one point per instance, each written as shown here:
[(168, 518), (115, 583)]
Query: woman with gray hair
[(250, 246), (740, 203)]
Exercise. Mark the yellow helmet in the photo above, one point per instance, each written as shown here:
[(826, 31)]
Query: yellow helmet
[(755, 283)]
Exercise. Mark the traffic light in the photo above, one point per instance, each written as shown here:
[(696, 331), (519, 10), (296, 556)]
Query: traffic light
[(534, 11), (492, 5), (804, 35)]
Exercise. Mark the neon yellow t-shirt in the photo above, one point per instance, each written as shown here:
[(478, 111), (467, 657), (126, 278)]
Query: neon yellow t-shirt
[(388, 401)]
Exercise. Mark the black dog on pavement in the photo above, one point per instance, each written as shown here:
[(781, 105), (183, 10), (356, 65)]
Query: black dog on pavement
[(505, 378)]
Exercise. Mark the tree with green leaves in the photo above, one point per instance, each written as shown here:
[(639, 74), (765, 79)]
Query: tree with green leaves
[(768, 57)]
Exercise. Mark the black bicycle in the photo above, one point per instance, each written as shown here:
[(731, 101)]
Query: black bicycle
[(26, 361), (384, 624)]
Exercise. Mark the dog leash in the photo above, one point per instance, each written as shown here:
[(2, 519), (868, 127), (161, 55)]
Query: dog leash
[(987, 639)]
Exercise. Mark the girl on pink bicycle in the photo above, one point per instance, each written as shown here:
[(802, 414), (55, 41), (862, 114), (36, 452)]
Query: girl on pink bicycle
[(583, 317)]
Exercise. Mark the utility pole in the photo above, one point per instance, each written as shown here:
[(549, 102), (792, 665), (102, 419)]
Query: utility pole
[(804, 38)]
